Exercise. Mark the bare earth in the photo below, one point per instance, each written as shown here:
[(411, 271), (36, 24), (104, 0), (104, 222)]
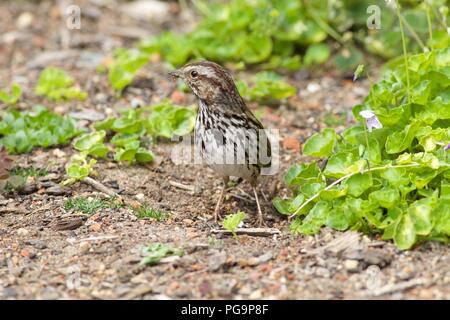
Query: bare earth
[(98, 256)]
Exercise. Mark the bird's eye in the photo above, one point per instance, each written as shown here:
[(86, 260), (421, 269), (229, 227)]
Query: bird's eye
[(194, 74)]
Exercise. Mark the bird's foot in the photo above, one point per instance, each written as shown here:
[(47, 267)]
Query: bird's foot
[(260, 222)]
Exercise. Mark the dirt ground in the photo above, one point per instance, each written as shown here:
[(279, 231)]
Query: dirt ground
[(47, 252)]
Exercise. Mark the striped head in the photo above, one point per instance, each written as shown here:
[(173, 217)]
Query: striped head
[(210, 82)]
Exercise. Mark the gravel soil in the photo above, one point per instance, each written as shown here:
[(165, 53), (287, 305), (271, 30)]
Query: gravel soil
[(47, 252)]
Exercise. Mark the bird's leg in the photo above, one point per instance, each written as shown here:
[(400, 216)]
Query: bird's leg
[(260, 219), (219, 202)]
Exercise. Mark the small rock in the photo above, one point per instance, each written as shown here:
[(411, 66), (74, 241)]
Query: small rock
[(38, 244), (188, 222), (137, 103), (84, 247), (25, 20), (216, 261), (9, 293), (96, 227), (313, 87), (88, 114), (255, 295), (370, 257), (22, 232), (146, 10), (57, 190), (351, 265), (140, 196), (101, 98), (291, 143)]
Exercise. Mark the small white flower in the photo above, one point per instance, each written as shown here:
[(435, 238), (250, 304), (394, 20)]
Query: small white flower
[(371, 120)]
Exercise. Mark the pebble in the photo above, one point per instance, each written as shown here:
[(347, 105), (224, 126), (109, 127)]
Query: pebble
[(25, 20), (56, 190), (96, 227), (140, 196), (84, 247), (255, 295), (38, 244), (22, 232), (137, 103), (217, 260), (351, 265)]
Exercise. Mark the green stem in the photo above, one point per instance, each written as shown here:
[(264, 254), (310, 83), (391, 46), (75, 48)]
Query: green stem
[(405, 53), (413, 33), (329, 30), (348, 176), (430, 30)]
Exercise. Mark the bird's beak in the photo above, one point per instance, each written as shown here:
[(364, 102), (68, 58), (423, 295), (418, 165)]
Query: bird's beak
[(176, 74)]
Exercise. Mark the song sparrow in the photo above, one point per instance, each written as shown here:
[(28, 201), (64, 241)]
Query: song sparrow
[(230, 138)]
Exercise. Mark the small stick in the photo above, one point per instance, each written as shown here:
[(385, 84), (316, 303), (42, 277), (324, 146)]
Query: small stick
[(99, 238), (241, 198), (100, 187), (391, 288), (182, 186), (255, 232)]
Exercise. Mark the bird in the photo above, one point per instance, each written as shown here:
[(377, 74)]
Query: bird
[(230, 139)]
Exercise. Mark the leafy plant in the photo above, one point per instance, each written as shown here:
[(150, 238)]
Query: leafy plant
[(394, 180), (162, 120), (13, 97), (277, 33), (56, 84), (166, 120), (156, 251), (232, 221), (20, 132), (145, 211), (79, 168), (90, 205), (92, 144), (126, 64), (266, 85)]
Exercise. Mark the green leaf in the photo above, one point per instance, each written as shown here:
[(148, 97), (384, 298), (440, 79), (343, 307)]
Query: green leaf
[(125, 66), (288, 206), (343, 163), (10, 99), (155, 252), (316, 218), (404, 234), (320, 144), (232, 221), (420, 212), (144, 156), (386, 197), (123, 139), (359, 183), (56, 84), (395, 176), (358, 72), (301, 173), (334, 193), (337, 219), (88, 140), (441, 215), (401, 140), (317, 53)]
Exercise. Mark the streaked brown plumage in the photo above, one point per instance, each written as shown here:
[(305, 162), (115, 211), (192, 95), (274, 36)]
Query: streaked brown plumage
[(225, 127)]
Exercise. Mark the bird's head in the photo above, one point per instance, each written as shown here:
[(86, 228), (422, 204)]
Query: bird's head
[(209, 81)]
